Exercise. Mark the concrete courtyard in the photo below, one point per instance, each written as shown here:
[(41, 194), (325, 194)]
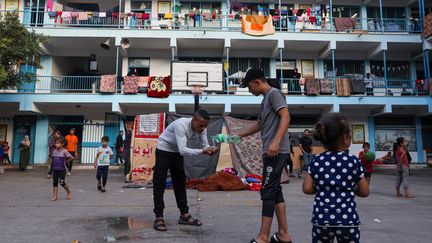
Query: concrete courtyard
[(125, 215)]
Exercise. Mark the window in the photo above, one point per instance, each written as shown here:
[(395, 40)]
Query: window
[(344, 67), (396, 70), (388, 12), (243, 64), (345, 11)]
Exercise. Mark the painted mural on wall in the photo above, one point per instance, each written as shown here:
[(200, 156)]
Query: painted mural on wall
[(384, 138)]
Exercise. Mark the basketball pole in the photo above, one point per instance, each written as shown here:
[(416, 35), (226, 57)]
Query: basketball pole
[(196, 98)]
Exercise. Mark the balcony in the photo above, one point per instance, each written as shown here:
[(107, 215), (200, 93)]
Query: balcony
[(291, 87), (212, 22)]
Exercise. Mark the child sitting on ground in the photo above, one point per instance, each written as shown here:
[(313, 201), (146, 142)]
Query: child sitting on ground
[(102, 161), (60, 157), (335, 177)]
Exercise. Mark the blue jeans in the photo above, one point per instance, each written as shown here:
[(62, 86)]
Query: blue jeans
[(307, 157)]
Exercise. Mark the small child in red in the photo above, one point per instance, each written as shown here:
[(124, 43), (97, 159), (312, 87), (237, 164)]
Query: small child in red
[(367, 165)]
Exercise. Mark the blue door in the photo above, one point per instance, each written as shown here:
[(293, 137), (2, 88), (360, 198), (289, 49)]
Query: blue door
[(27, 87), (111, 129), (23, 125)]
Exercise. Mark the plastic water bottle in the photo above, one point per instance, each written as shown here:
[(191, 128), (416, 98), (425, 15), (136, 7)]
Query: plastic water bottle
[(223, 138)]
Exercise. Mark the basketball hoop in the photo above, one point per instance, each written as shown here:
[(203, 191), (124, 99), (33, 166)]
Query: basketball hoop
[(197, 89)]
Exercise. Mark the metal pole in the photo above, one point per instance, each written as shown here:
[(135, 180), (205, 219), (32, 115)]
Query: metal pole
[(227, 81), (385, 70), (281, 65), (280, 15), (331, 15), (381, 16), (334, 69), (196, 101), (428, 65), (37, 12), (117, 66), (120, 12)]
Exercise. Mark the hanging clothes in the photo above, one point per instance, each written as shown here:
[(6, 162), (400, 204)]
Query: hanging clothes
[(57, 7), (49, 5)]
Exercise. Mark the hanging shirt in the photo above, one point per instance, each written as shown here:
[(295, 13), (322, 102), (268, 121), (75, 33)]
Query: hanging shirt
[(336, 176), (175, 136)]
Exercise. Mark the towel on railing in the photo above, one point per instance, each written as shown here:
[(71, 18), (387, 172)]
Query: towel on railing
[(357, 86), (159, 87), (82, 16), (326, 86), (102, 14), (130, 84), (257, 25), (343, 87), (344, 24), (142, 84), (108, 84), (427, 26), (312, 86)]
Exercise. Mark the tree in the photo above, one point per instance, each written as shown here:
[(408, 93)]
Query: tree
[(17, 46)]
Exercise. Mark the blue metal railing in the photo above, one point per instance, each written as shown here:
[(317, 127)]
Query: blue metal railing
[(290, 86), (209, 22)]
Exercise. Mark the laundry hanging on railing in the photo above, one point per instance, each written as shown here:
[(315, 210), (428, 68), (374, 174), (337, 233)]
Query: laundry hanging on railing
[(257, 25)]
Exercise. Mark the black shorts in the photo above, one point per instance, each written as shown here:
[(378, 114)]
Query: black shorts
[(59, 175), (271, 188)]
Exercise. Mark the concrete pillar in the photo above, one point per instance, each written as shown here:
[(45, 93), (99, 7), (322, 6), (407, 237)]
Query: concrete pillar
[(363, 15), (273, 62), (367, 66), (371, 132), (413, 70), (41, 140)]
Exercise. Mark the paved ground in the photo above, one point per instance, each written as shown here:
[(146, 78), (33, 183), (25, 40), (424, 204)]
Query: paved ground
[(123, 215)]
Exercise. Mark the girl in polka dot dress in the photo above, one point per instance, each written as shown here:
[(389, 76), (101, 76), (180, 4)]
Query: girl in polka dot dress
[(335, 177)]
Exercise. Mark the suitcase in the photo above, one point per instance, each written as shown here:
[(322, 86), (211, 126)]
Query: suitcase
[(357, 86), (159, 87), (326, 86), (343, 87), (130, 84), (312, 86), (108, 84)]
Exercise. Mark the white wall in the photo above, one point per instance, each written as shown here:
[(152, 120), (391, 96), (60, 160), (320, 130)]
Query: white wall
[(160, 67), (63, 66)]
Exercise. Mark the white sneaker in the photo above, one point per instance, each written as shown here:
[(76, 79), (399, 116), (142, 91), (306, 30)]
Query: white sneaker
[(68, 173)]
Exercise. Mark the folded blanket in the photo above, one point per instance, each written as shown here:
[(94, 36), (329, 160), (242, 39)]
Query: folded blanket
[(221, 181)]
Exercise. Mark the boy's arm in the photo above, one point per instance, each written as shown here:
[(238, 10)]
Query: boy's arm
[(282, 130), (250, 130), (96, 158), (111, 153)]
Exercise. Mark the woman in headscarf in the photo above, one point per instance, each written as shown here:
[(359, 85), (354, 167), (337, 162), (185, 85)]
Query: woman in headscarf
[(24, 148)]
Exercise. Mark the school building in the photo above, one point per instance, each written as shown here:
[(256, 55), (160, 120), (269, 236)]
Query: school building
[(331, 46)]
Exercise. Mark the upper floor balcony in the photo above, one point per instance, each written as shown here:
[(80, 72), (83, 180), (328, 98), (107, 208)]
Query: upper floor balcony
[(340, 86), (309, 16)]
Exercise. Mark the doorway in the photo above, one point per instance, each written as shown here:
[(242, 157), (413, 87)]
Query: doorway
[(23, 125)]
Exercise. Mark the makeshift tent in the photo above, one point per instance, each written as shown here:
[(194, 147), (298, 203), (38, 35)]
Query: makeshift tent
[(201, 166), (247, 155), (146, 131)]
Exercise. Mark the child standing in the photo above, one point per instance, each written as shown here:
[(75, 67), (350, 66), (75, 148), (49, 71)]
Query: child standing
[(102, 162), (60, 157), (402, 163), (367, 165), (335, 177), (6, 156)]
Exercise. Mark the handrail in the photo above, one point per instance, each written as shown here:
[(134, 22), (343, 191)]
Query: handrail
[(218, 22)]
